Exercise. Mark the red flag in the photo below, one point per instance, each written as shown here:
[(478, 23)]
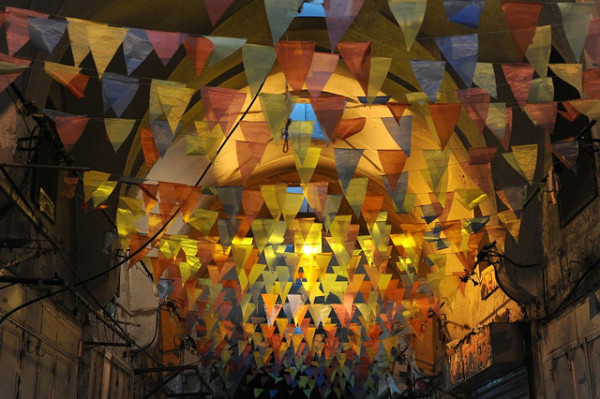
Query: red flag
[(321, 68), (519, 76), (216, 9), (329, 111), (482, 155), (445, 118), (222, 106), (69, 129), (198, 49), (522, 19), (17, 27), (357, 56), (349, 127), (295, 59), (570, 113), (8, 78)]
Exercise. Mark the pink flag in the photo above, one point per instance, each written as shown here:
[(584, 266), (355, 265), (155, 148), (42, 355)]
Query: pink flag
[(165, 43), (591, 82), (69, 129), (339, 15), (222, 106), (321, 68), (519, 76), (295, 59), (17, 27)]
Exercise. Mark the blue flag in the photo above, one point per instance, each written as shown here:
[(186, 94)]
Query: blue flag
[(464, 12), (136, 48), (118, 91), (346, 161), (162, 135), (399, 193), (400, 131), (429, 74), (46, 33), (461, 52)]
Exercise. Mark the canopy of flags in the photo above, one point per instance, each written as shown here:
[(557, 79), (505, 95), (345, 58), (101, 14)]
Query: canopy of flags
[(312, 277)]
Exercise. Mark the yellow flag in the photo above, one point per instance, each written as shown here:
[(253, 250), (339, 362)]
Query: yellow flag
[(118, 130), (524, 160), (78, 37), (104, 42), (538, 52)]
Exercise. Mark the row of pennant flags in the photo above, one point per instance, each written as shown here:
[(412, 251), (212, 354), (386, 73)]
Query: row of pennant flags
[(329, 297)]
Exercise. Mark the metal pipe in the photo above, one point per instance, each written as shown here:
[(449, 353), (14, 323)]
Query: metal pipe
[(38, 166)]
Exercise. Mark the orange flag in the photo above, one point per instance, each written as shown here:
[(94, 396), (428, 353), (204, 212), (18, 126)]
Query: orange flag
[(519, 76), (295, 59), (247, 160), (68, 76), (151, 153), (329, 111), (357, 56), (256, 132), (349, 127), (591, 82), (392, 162), (198, 49), (397, 109), (321, 68), (522, 19), (445, 118)]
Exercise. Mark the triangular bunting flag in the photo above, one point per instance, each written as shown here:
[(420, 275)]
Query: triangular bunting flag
[(216, 8), (461, 53), (17, 27), (519, 76), (464, 12), (393, 162), (258, 61), (445, 118), (329, 111), (321, 68), (46, 33), (118, 91), (118, 130), (409, 14), (104, 42), (224, 47), (543, 114), (165, 44), (429, 74), (295, 59), (576, 24), (198, 50), (276, 109), (522, 19), (346, 161), (524, 160), (222, 106), (339, 15), (401, 132), (357, 56), (349, 127), (485, 77), (68, 76), (136, 47), (280, 14)]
